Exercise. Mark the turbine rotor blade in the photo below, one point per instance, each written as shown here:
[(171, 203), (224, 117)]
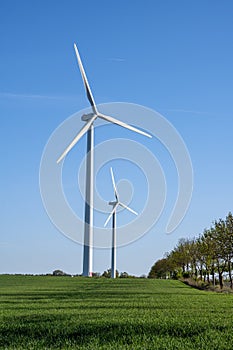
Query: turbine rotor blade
[(77, 138), (114, 185), (85, 81), (129, 209), (110, 215), (124, 125)]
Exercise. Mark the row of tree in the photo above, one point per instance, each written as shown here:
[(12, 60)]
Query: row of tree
[(106, 274), (203, 257)]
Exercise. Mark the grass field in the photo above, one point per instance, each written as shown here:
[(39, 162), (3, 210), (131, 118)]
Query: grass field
[(81, 313)]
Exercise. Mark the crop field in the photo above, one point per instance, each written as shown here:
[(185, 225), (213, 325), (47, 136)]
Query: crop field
[(45, 312)]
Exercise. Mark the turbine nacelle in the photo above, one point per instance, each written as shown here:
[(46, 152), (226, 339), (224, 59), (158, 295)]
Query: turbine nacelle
[(112, 203), (87, 117)]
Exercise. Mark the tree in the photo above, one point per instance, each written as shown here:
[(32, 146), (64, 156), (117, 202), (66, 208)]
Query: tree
[(95, 274), (107, 273), (58, 273), (229, 246), (163, 268), (159, 269), (207, 253), (124, 275), (219, 237)]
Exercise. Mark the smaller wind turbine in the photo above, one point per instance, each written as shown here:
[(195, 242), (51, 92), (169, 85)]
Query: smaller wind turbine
[(115, 204)]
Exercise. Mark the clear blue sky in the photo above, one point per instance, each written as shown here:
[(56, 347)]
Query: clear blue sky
[(172, 56)]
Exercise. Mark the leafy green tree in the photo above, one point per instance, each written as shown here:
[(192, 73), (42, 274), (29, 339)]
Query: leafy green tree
[(59, 273), (229, 246), (124, 275), (219, 237), (159, 269), (107, 273)]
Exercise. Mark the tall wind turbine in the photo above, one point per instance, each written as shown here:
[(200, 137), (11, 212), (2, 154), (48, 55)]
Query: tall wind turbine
[(115, 204), (89, 129)]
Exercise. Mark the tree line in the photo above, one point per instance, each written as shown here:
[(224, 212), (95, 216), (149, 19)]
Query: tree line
[(106, 274), (203, 258)]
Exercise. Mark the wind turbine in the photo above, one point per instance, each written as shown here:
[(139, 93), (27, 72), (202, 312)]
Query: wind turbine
[(115, 204), (89, 129)]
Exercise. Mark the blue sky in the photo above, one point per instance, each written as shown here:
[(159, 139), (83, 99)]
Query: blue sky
[(172, 56)]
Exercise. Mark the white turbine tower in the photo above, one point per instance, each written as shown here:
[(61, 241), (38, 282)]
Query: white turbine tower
[(89, 129), (115, 204)]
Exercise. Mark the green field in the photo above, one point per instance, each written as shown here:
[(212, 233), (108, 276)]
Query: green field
[(81, 313)]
